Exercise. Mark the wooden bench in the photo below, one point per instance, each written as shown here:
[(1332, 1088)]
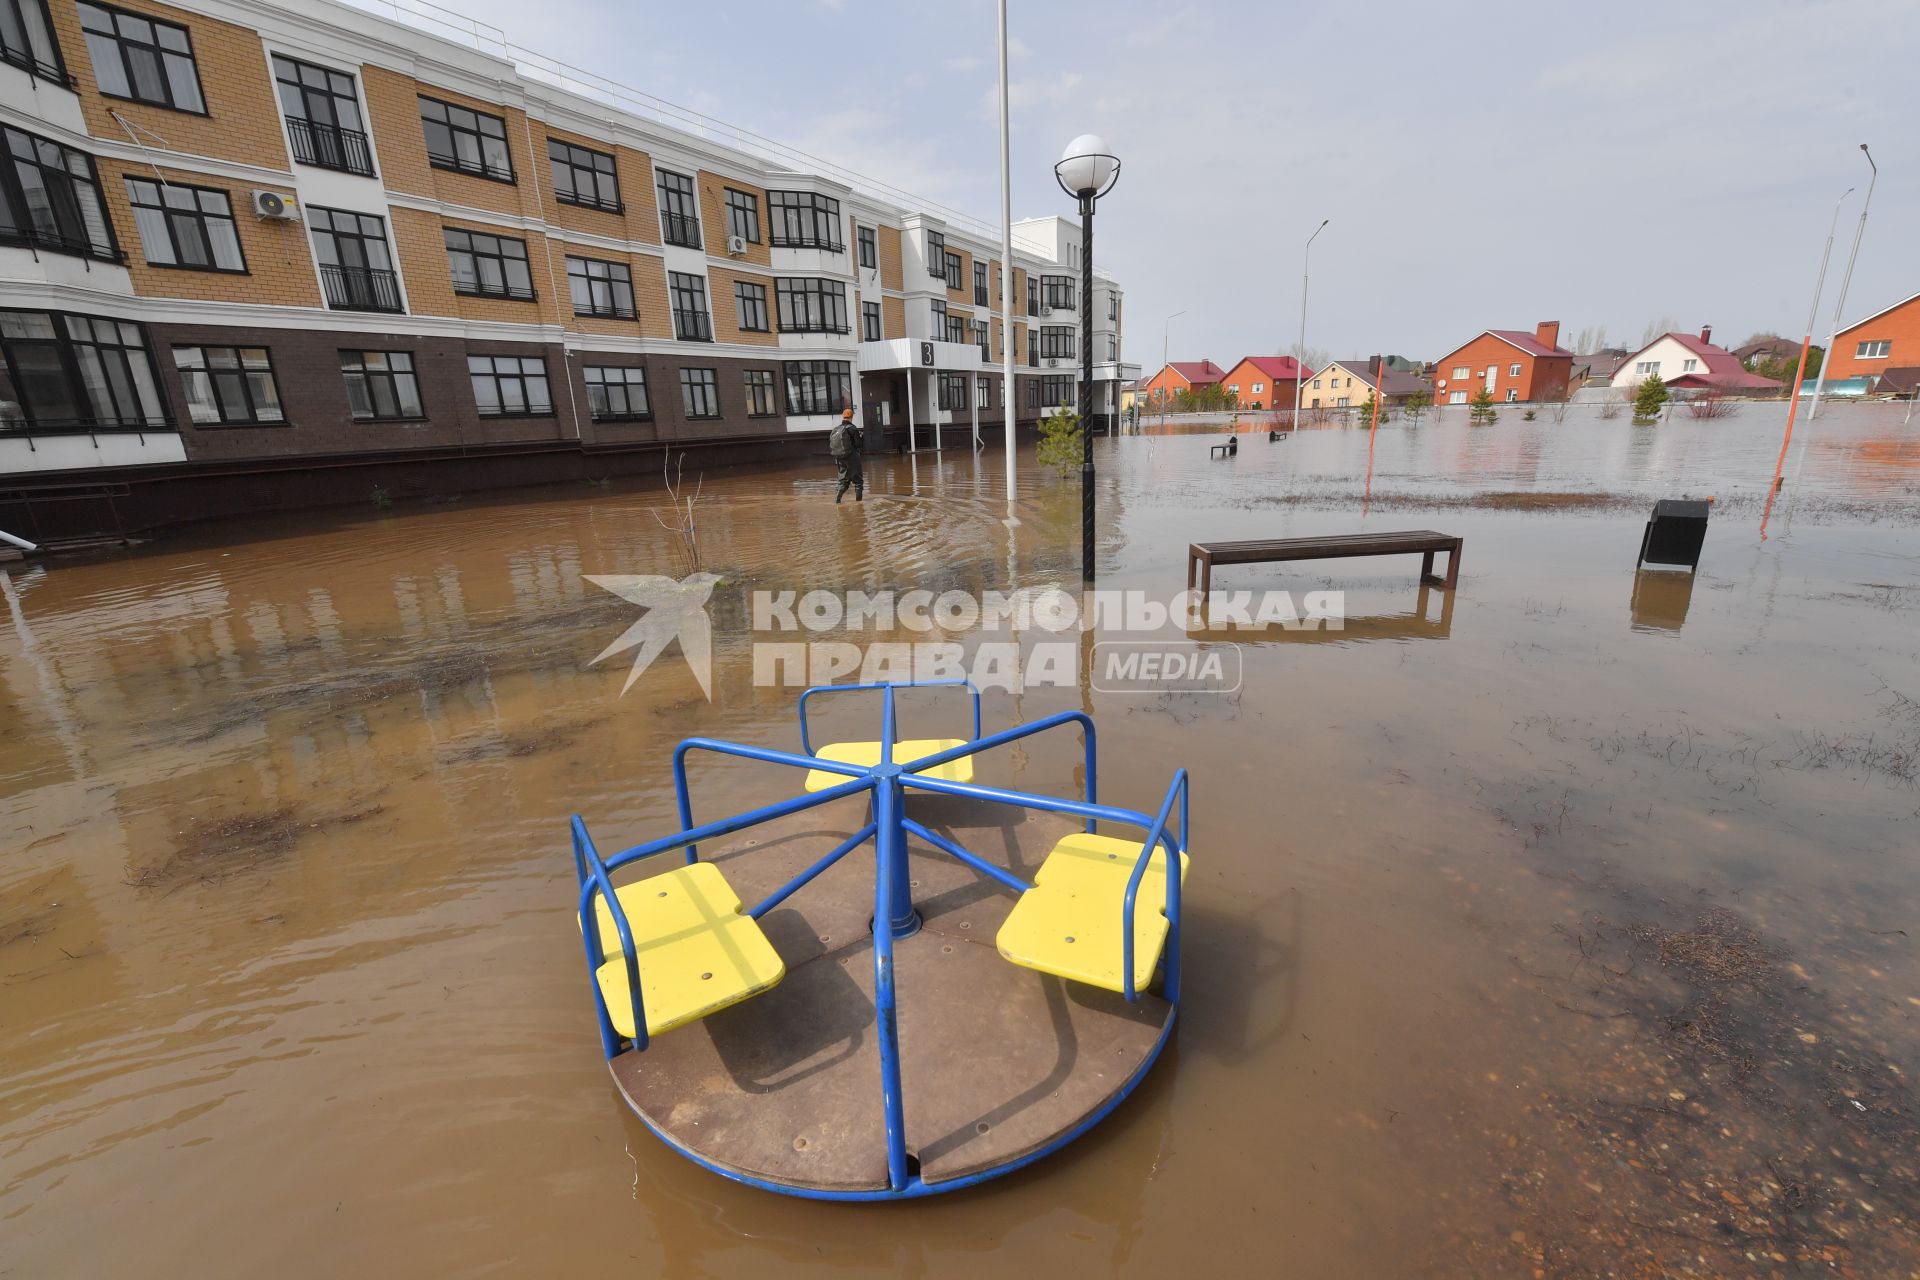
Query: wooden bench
[(1202, 556)]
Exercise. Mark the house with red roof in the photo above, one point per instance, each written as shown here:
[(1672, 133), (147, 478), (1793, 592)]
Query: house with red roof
[(1886, 342), (1263, 382), (1514, 364), (1182, 375), (1688, 363)]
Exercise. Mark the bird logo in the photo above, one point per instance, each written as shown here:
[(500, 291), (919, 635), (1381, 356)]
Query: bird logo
[(673, 610)]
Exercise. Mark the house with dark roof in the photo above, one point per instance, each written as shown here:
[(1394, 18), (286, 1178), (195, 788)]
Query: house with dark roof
[(1771, 347), (1688, 363), (1263, 382), (1596, 368), (1512, 363), (1347, 384), (1183, 375)]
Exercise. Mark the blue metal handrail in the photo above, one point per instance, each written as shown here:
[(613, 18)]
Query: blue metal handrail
[(890, 863), (806, 741), (1155, 836), (594, 880), (1021, 731), (727, 826), (685, 797)]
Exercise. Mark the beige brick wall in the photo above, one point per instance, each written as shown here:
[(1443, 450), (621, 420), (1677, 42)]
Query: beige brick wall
[(393, 103), (893, 311), (713, 222), (890, 272), (279, 257), (639, 219), (421, 250), (726, 315), (650, 297), (243, 118), (649, 293)]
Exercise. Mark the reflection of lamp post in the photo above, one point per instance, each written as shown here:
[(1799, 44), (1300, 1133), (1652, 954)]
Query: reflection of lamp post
[(1299, 369), (1846, 278), (1087, 171), (1166, 336)]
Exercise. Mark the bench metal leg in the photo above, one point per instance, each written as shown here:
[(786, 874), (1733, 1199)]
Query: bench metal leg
[(1426, 569), (1453, 563)]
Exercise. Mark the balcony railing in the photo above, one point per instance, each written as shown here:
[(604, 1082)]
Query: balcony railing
[(328, 146), (692, 326), (680, 228), (361, 288)]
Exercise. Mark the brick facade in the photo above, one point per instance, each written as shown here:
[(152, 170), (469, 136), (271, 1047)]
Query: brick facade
[(1898, 326)]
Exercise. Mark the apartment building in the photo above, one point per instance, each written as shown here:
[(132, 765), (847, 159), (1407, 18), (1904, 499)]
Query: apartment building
[(259, 254)]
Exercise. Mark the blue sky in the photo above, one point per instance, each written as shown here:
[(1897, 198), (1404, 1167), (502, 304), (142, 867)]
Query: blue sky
[(1483, 164)]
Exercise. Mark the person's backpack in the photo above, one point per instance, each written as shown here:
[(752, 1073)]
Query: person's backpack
[(840, 442)]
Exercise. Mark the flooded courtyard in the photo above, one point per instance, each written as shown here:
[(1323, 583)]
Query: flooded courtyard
[(1560, 926)]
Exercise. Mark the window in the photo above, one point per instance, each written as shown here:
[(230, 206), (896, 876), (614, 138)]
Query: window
[(1316, 384), (355, 267), (1113, 310), (465, 140), (983, 389), (229, 386), (600, 288), (583, 176), (1234, 387), (1878, 349), (490, 266), (381, 386), (1056, 342), (1033, 296), (1343, 402), (869, 249), (819, 386), (870, 322), (939, 316), (953, 270), (140, 58), (185, 226), (1056, 390), (802, 220), (687, 295), (750, 304), (1057, 292), (617, 395), (811, 306), (1033, 347), (980, 284), (1033, 393), (1513, 394), (1688, 366), (936, 255), (1460, 373), (981, 335), (762, 400), (1453, 397), (743, 215), (699, 393), (26, 40), (1647, 367), (1258, 387), (953, 391), (510, 386), (66, 372), (50, 198), (679, 212), (956, 328), (323, 116)]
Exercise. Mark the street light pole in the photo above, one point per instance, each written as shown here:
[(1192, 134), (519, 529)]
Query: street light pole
[(1006, 264), (1800, 373), (1086, 171), (1299, 369), (1846, 278), (1166, 337)]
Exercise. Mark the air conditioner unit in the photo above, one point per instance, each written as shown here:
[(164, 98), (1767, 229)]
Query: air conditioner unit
[(1046, 310), (271, 204), (736, 245), (1052, 363)]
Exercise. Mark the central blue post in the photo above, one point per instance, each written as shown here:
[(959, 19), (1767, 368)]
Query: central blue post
[(890, 810)]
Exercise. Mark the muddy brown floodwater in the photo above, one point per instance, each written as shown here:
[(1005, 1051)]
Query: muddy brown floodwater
[(1565, 931)]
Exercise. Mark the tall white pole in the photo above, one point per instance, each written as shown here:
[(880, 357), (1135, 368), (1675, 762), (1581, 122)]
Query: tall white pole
[(1006, 259), (1166, 336), (1299, 369), (1846, 278)]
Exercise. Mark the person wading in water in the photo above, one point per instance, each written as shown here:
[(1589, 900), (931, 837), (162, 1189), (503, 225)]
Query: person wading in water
[(844, 445)]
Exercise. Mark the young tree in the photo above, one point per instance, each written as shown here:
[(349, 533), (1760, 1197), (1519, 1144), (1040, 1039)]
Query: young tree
[(1480, 409), (1060, 440), (1416, 405), (1610, 407), (1647, 400)]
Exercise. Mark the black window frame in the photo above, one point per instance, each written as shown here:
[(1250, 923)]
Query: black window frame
[(705, 383), (691, 323), (1057, 292), (454, 163), (1033, 295), (224, 380), (578, 160), (494, 250), (1033, 347), (379, 286), (811, 304), (500, 378), (869, 241), (679, 208), (315, 132), (88, 237), (614, 276), (871, 322), (959, 329), (1057, 342), (937, 312), (983, 391), (937, 255), (755, 383), (1052, 382), (173, 218), (953, 272), (979, 283), (68, 334), (1033, 393), (123, 42), (804, 220), (35, 22), (952, 389), (748, 306), (744, 212), (595, 376), (389, 375), (817, 387)]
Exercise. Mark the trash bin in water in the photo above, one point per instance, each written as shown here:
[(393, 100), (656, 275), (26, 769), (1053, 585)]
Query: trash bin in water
[(1675, 533)]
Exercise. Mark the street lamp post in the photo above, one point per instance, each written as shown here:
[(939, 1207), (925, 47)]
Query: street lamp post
[(1846, 278), (1087, 171), (1166, 338), (1299, 369)]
